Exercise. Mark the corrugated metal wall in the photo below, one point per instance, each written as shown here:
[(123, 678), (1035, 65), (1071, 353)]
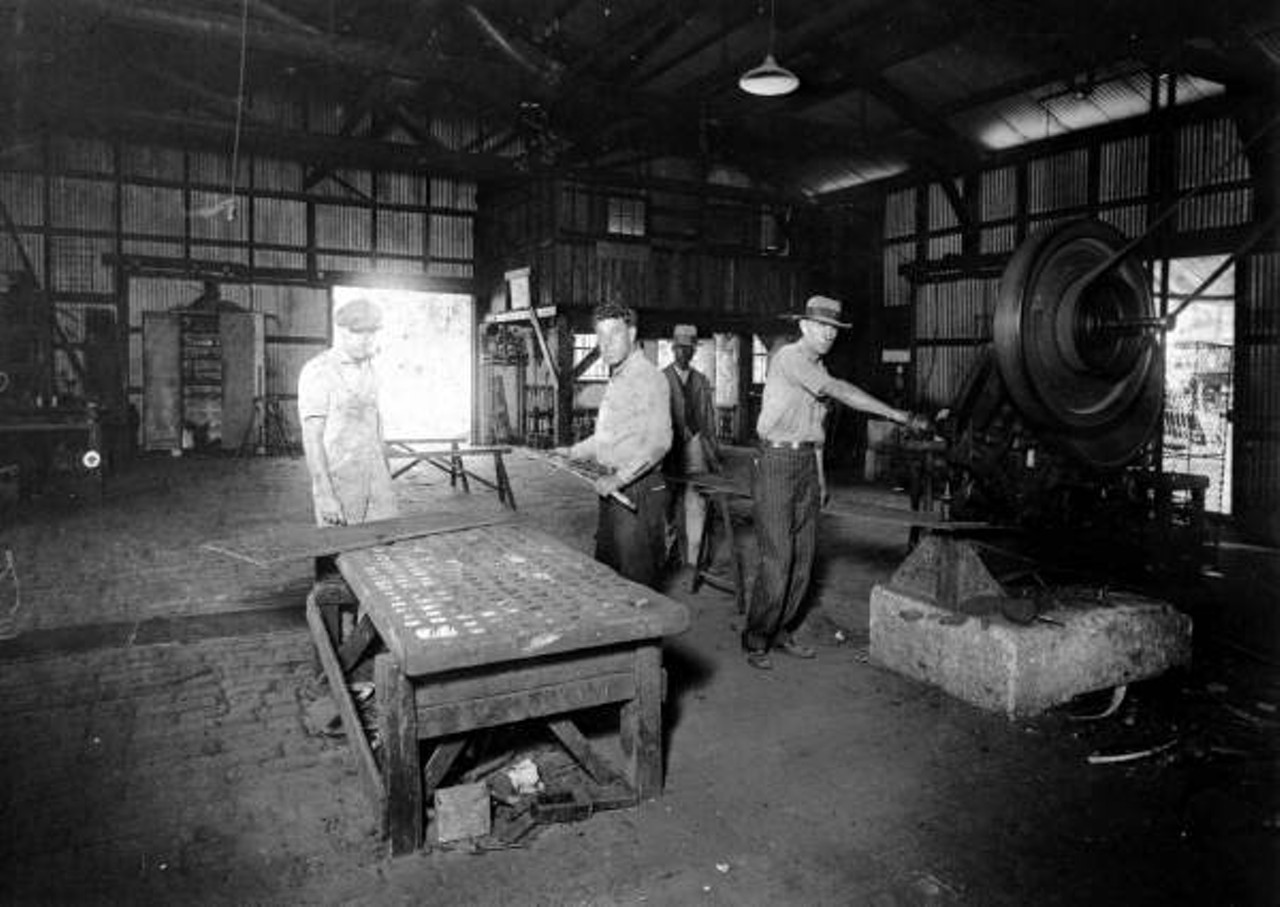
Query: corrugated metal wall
[(955, 318), (699, 251), (1256, 411), (1111, 180), (76, 200), (1209, 154)]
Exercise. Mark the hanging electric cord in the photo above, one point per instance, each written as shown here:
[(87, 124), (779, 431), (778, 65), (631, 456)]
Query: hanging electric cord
[(235, 141)]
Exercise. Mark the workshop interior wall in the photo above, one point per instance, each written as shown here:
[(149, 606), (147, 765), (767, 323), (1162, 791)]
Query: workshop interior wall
[(946, 273), (272, 237)]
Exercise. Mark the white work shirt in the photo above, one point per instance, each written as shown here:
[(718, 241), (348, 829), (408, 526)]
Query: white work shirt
[(344, 392)]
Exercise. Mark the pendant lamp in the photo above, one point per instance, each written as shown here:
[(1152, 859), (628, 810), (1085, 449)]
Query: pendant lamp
[(769, 79)]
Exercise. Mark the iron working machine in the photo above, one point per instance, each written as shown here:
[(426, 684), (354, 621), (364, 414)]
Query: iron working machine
[(1055, 432), (1057, 429)]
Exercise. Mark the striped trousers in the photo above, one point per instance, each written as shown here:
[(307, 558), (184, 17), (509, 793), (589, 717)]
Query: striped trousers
[(786, 498)]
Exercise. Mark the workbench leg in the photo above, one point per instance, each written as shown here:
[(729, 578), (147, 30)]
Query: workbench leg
[(504, 482), (642, 724), (739, 578), (458, 469), (703, 555), (401, 763)]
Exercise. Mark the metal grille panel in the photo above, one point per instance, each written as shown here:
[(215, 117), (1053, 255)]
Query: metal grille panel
[(498, 593)]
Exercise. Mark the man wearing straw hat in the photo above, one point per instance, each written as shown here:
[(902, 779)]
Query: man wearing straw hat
[(787, 481)]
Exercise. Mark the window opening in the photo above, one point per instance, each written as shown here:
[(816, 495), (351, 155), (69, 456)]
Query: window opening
[(626, 216), (1199, 358), (759, 360), (423, 360), (583, 344)]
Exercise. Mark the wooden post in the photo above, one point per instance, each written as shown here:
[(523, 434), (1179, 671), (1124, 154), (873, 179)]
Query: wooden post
[(642, 724), (401, 764), (562, 430), (742, 420)]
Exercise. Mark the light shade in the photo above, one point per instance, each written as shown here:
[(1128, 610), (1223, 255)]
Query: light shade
[(769, 79)]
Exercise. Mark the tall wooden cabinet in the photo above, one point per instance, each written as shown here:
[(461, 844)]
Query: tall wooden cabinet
[(203, 375)]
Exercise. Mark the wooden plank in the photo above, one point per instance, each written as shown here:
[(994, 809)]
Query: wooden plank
[(277, 544), (580, 748), (354, 648), (641, 730), (402, 771), (504, 482), (710, 483), (367, 766), (547, 358), (401, 450), (902, 517), (332, 618), (529, 674), (439, 763), (504, 708), (520, 315)]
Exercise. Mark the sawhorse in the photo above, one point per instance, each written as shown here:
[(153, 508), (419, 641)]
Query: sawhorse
[(449, 459)]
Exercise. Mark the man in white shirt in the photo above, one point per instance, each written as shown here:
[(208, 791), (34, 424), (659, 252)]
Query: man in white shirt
[(341, 426)]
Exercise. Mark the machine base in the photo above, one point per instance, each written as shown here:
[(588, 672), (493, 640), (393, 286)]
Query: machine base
[(1023, 670)]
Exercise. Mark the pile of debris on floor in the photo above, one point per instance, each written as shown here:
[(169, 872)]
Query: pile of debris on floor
[(503, 799)]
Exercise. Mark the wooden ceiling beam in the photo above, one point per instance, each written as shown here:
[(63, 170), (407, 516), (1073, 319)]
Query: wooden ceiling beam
[(275, 41), (642, 76), (958, 150), (345, 151), (328, 150), (657, 36), (375, 89)]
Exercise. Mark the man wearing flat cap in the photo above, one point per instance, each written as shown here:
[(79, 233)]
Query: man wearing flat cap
[(787, 481), (694, 449), (341, 426)]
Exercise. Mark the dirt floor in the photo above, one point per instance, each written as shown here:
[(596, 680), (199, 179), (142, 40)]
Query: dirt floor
[(159, 745)]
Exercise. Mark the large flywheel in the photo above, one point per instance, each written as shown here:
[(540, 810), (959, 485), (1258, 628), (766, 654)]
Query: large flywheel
[(1075, 344)]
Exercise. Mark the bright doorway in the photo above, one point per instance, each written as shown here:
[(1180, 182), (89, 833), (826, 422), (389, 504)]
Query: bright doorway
[(423, 360), (1199, 359)]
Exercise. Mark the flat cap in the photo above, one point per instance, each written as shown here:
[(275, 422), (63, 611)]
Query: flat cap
[(359, 315), (684, 335)]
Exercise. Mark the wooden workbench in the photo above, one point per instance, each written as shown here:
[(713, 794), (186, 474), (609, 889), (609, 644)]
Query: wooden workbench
[(484, 627), (719, 489)]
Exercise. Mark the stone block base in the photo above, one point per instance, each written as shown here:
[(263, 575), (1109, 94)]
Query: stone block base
[(1023, 670)]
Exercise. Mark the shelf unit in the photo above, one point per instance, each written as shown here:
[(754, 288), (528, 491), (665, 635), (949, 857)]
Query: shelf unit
[(203, 374)]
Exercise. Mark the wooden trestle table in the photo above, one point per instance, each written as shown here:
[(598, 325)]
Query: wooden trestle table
[(484, 627)]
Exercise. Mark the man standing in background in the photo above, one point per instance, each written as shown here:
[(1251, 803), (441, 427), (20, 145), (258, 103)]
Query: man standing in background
[(632, 435), (694, 448), (341, 426)]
